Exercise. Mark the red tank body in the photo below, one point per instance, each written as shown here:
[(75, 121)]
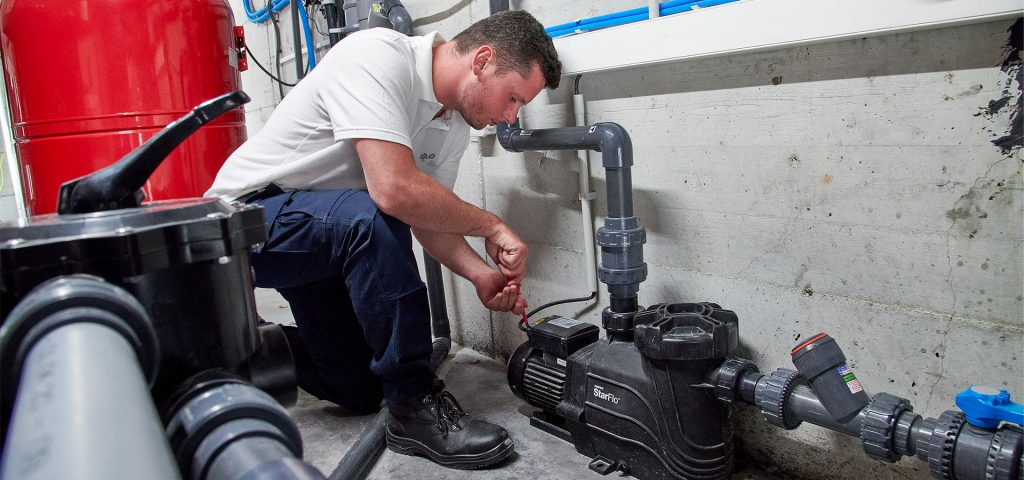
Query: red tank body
[(90, 80)]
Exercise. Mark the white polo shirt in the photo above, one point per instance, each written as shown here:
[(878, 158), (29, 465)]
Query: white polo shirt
[(375, 83)]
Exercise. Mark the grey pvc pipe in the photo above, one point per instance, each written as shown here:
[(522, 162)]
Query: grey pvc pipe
[(439, 324), (259, 458), (400, 19), (363, 454), (83, 411), (806, 406), (608, 138), (619, 256), (331, 13), (498, 6), (802, 404), (297, 42)]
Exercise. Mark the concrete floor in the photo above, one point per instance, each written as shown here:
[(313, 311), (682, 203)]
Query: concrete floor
[(478, 382)]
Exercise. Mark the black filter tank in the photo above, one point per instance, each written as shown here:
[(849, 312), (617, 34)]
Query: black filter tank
[(636, 401), (185, 261)]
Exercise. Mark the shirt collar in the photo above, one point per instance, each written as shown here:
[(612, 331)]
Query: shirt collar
[(424, 55)]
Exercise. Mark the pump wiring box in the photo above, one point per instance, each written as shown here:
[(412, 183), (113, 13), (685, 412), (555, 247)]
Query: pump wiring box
[(561, 336)]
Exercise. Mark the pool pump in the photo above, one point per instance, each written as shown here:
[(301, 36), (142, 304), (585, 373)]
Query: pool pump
[(636, 401), (654, 397)]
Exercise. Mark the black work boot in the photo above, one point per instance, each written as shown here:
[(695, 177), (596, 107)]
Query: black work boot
[(436, 427)]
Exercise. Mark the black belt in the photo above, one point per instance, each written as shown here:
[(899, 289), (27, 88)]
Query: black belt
[(265, 192)]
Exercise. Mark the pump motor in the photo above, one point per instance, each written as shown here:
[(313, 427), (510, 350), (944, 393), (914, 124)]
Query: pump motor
[(636, 402)]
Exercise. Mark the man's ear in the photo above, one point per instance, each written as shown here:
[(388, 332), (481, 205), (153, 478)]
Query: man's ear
[(482, 56)]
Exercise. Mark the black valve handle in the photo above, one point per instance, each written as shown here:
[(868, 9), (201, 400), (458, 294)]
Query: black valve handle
[(119, 185)]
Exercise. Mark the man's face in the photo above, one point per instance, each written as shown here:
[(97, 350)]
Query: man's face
[(494, 98)]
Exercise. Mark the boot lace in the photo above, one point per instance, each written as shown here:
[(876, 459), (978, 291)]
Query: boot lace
[(447, 410)]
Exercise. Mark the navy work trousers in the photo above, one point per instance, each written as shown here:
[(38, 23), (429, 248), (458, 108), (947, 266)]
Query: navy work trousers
[(348, 271)]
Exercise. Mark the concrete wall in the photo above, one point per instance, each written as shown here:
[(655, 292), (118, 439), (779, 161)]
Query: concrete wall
[(850, 187), (8, 206)]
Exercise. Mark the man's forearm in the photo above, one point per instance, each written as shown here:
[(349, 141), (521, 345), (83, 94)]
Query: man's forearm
[(401, 190), (425, 204), (452, 251)]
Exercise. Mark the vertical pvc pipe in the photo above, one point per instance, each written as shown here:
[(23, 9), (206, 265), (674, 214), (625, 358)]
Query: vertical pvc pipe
[(297, 41), (586, 196), (331, 12), (653, 8)]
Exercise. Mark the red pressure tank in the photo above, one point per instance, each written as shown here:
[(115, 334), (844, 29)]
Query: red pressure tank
[(90, 80)]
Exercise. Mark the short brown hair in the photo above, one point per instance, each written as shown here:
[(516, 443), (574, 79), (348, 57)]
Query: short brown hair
[(519, 41)]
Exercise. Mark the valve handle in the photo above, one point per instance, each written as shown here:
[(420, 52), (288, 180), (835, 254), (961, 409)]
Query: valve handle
[(985, 407), (118, 185)]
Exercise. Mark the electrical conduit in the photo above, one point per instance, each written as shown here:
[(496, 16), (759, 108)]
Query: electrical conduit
[(586, 196)]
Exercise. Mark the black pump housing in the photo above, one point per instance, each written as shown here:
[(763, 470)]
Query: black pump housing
[(638, 401)]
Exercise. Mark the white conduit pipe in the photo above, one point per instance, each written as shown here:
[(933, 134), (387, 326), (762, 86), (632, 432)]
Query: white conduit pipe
[(586, 196), (653, 8)]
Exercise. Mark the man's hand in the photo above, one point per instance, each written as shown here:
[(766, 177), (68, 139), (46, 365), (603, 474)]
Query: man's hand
[(498, 294), (509, 253)]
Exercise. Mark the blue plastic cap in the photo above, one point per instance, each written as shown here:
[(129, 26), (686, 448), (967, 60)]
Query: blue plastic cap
[(986, 407)]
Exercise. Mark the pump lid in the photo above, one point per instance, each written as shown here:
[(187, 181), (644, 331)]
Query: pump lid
[(686, 331), (986, 407)]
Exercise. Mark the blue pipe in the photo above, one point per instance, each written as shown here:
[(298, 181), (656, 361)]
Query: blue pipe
[(599, 25), (700, 4), (609, 16), (621, 18), (628, 16), (263, 14), (310, 46), (643, 12)]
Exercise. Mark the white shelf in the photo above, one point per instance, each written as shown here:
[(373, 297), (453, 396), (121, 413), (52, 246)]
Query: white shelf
[(754, 25)]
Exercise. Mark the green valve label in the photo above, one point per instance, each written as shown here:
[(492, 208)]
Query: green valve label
[(851, 380)]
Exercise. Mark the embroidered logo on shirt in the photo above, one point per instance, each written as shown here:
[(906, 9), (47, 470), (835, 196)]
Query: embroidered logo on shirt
[(428, 159)]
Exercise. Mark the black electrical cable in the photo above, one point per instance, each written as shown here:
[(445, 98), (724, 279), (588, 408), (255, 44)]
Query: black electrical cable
[(576, 85), (560, 302), (277, 38), (311, 12), (524, 324), (271, 75)]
